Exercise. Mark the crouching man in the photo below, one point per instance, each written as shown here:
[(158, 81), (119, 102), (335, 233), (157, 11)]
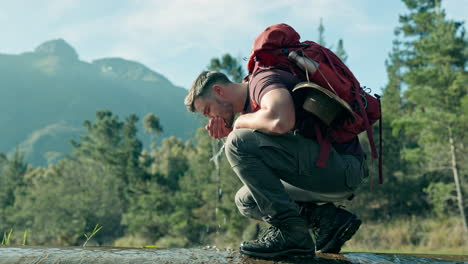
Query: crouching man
[(269, 149)]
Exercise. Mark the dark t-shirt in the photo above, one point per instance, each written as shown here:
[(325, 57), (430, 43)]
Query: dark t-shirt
[(271, 79)]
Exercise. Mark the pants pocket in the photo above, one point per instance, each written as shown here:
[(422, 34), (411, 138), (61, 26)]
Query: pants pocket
[(353, 179), (354, 173), (275, 153)]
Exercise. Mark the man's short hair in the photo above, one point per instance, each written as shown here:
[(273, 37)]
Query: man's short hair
[(201, 87)]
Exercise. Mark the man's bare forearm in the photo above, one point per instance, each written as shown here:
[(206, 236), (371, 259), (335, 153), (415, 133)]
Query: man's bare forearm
[(262, 121)]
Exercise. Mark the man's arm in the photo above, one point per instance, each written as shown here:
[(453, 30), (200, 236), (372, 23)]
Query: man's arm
[(276, 115)]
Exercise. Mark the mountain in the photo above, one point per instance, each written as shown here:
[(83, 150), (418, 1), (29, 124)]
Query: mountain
[(48, 93)]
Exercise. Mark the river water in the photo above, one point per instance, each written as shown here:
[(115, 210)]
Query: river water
[(99, 255)]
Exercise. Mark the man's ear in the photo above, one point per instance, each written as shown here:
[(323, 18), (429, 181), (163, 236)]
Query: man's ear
[(219, 90)]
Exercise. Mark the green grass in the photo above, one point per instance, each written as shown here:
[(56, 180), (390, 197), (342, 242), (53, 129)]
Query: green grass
[(94, 232), (149, 246), (6, 238), (25, 236), (460, 251), (414, 235)]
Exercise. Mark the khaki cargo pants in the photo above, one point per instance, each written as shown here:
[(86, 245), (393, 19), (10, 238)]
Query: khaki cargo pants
[(278, 170)]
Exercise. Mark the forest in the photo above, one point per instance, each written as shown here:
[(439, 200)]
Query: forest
[(176, 193)]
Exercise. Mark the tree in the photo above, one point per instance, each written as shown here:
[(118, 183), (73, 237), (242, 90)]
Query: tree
[(340, 51), (195, 201), (12, 173), (12, 176), (92, 185), (403, 182), (152, 205), (205, 211), (434, 66), (152, 125), (68, 199), (321, 34), (131, 149), (229, 66), (112, 143), (103, 139), (150, 209), (171, 161)]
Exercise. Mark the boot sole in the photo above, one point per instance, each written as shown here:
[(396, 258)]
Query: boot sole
[(344, 233), (280, 254)]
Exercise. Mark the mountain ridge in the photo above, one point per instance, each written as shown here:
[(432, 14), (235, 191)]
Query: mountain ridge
[(51, 85)]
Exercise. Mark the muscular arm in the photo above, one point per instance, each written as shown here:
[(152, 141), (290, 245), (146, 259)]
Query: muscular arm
[(276, 115)]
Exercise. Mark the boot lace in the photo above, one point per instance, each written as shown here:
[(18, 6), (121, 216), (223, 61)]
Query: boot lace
[(270, 235)]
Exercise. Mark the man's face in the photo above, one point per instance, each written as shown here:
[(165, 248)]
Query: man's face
[(215, 106)]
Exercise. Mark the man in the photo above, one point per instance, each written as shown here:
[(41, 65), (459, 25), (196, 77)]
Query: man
[(268, 149)]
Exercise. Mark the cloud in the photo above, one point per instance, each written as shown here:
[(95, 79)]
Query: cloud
[(88, 30), (367, 27), (158, 33), (217, 24), (167, 29), (352, 16), (456, 9), (43, 11), (180, 21), (212, 20), (165, 34), (56, 9), (327, 9)]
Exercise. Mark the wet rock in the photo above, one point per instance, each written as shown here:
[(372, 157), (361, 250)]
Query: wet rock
[(210, 255)]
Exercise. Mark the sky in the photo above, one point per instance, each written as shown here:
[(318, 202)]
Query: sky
[(177, 38)]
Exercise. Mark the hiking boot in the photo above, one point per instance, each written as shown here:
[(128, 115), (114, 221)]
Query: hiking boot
[(289, 238), (331, 225)]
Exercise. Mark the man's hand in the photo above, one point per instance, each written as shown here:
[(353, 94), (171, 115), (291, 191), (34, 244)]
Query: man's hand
[(217, 128)]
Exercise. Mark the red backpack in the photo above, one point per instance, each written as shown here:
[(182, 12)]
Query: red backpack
[(271, 49)]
